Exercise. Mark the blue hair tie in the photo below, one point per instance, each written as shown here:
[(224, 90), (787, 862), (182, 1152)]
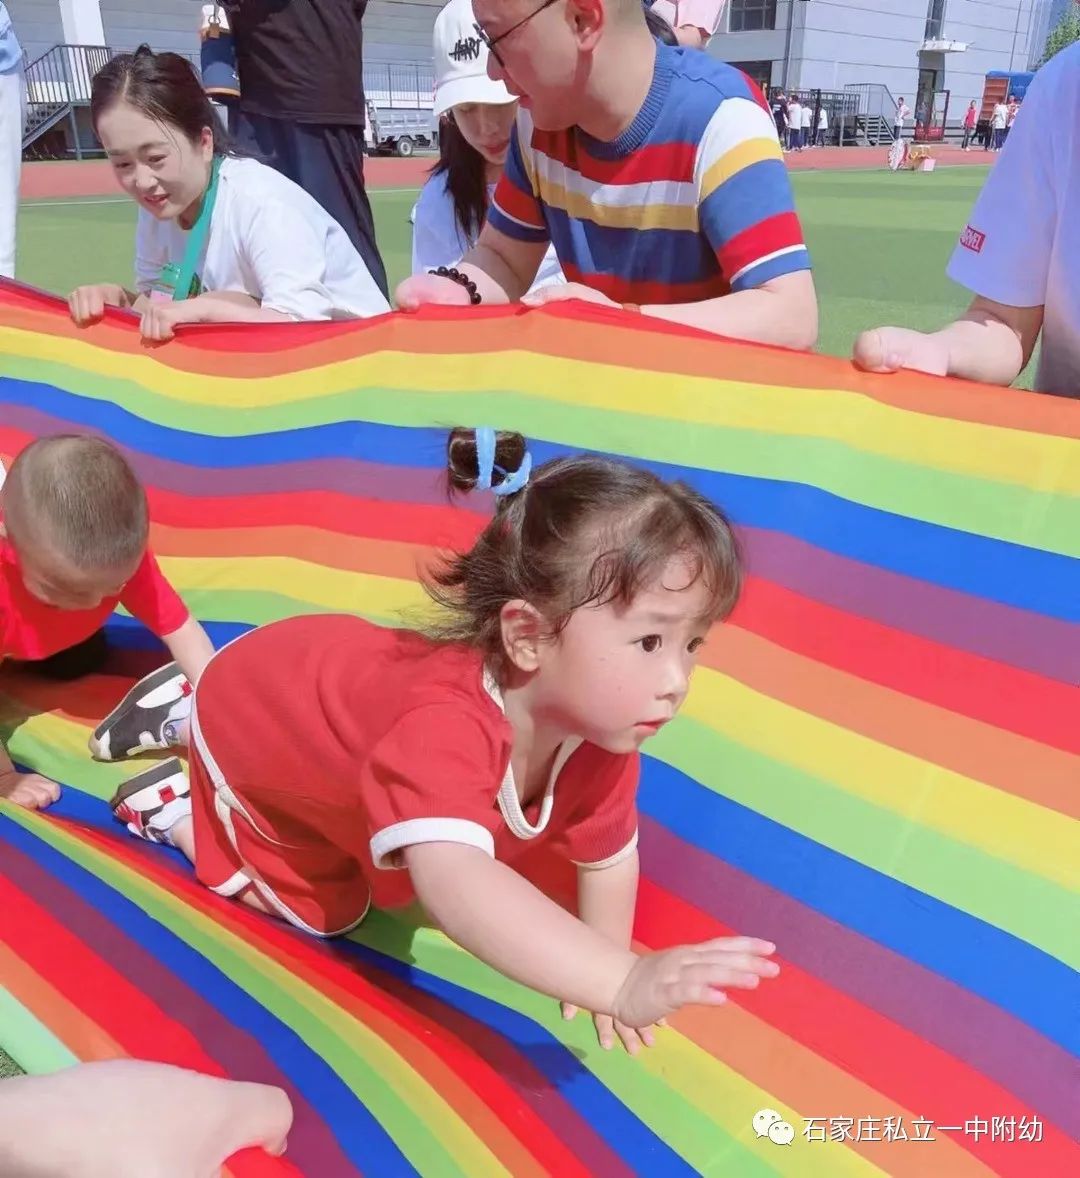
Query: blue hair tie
[(486, 467)]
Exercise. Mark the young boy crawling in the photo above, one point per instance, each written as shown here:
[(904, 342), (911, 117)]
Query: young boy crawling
[(73, 545)]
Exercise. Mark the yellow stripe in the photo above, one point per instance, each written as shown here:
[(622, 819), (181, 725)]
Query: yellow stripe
[(628, 216), (1031, 837), (996, 453), (742, 155)]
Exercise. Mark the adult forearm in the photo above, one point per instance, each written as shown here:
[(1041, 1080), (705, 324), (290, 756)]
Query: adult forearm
[(760, 316)]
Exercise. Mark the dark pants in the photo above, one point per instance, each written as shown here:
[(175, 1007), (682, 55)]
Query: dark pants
[(326, 161), (84, 658)]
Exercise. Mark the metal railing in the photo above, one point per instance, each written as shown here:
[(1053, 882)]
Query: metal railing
[(876, 110), (400, 83), (58, 81)]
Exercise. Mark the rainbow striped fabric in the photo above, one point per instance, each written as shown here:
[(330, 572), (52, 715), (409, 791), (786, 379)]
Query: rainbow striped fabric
[(877, 767)]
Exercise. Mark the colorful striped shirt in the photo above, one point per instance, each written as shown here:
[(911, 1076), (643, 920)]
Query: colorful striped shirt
[(691, 202)]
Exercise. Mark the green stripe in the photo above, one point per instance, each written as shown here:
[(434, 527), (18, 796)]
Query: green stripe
[(1032, 908), (28, 1041), (1022, 515), (406, 1124), (689, 1130)]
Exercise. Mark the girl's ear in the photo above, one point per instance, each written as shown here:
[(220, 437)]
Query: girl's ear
[(206, 144), (523, 631)]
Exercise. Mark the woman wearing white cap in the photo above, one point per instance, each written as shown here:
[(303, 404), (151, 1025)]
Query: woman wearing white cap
[(477, 119)]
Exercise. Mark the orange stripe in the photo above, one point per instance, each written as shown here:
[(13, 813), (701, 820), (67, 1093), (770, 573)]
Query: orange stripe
[(82, 1037), (1001, 759)]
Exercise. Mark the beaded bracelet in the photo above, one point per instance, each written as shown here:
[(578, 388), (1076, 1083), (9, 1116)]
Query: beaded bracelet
[(455, 275)]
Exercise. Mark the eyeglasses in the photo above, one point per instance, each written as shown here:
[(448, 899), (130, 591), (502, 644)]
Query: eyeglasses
[(491, 42)]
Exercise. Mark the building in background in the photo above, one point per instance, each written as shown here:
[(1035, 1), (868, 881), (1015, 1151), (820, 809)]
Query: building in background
[(394, 30), (911, 48)]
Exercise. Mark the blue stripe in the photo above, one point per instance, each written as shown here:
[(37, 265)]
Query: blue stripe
[(1000, 967), (1028, 578), (360, 1136), (754, 194)]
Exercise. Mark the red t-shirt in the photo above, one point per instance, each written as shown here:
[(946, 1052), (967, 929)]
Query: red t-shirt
[(332, 728), (30, 629)]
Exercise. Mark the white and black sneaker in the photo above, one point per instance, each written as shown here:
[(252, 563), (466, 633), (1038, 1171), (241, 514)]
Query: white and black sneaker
[(153, 801), (149, 718)]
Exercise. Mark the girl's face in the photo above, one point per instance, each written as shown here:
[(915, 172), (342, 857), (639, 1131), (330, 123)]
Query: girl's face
[(616, 674), (487, 127), (155, 163)]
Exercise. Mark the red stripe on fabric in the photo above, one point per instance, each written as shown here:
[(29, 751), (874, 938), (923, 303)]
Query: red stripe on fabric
[(327, 511), (871, 1048), (653, 163), (1007, 697), (646, 293), (759, 241), (316, 964)]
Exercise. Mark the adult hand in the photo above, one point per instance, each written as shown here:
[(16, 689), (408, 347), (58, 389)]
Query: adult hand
[(888, 349), (607, 1028), (661, 983), (87, 303), (130, 1119), (564, 292), (423, 290), (29, 790), (160, 319)]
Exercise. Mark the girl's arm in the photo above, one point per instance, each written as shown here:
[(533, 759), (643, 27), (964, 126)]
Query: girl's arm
[(607, 898), (500, 917)]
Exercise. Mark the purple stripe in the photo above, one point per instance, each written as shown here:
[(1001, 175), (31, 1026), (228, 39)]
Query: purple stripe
[(399, 484), (311, 1144), (975, 1031), (1046, 646)]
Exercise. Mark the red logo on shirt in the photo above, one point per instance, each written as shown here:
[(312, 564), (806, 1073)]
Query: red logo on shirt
[(972, 239)]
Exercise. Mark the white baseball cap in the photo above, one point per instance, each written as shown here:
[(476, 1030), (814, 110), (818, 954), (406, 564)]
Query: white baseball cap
[(461, 59)]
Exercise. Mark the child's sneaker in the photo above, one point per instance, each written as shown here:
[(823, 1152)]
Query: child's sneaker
[(148, 718), (152, 802)]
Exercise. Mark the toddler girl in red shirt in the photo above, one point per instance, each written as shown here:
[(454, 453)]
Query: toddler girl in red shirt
[(330, 757)]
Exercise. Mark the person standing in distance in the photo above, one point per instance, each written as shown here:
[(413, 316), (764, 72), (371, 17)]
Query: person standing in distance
[(12, 105), (301, 106)]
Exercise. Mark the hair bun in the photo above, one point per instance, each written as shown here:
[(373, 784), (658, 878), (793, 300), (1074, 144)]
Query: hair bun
[(462, 462)]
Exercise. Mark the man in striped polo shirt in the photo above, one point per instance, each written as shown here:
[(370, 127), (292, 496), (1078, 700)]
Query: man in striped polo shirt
[(655, 171)]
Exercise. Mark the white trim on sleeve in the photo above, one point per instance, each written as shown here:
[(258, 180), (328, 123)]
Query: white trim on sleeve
[(611, 860), (428, 830)]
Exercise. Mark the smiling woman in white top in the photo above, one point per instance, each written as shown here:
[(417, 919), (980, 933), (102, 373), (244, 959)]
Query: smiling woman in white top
[(219, 238), (478, 117)]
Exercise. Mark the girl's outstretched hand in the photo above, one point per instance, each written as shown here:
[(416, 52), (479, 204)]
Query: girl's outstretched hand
[(608, 1028), (661, 983)]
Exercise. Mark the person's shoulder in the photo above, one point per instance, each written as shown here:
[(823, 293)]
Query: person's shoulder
[(699, 77), (433, 196)]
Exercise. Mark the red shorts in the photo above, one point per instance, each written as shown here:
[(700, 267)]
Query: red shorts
[(263, 842)]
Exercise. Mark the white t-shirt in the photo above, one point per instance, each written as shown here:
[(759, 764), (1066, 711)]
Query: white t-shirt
[(823, 119), (794, 114), (269, 239), (1021, 246), (439, 241), (999, 117), (902, 112), (807, 116)]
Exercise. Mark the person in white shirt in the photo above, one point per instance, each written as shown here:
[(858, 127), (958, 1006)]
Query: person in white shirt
[(219, 238), (1018, 255), (12, 104), (478, 117), (694, 21), (794, 116), (998, 122), (903, 111), (822, 126), (807, 124)]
